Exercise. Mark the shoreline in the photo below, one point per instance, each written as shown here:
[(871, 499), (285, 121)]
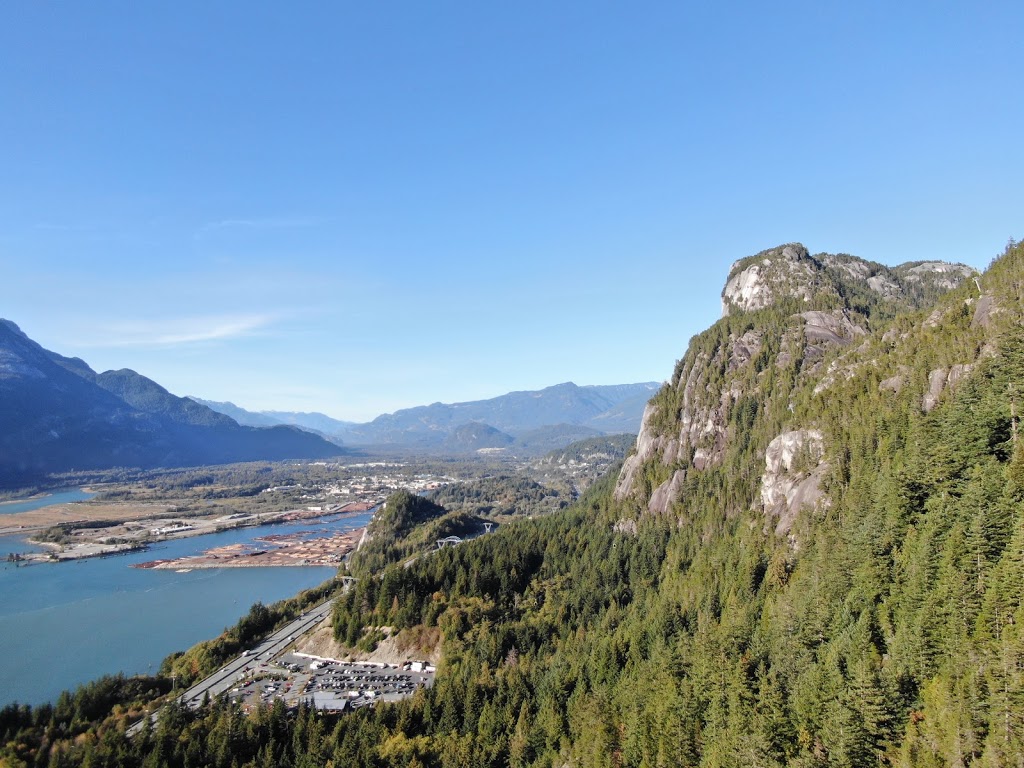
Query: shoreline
[(293, 552), (46, 494), (41, 558), (21, 499), (145, 536), (180, 567)]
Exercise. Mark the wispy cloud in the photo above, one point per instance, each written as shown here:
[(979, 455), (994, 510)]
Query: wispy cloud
[(178, 331)]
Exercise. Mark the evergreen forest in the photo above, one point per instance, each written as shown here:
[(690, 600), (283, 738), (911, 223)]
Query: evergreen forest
[(882, 625)]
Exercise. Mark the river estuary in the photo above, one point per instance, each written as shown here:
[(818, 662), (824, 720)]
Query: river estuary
[(67, 623)]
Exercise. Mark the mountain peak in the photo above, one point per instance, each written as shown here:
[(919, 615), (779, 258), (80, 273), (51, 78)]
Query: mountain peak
[(12, 326), (59, 414), (759, 281), (829, 306), (828, 281)]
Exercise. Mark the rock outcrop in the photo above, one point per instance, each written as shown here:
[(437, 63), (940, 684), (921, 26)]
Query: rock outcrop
[(941, 379), (666, 493), (784, 271), (701, 422), (984, 311), (733, 372), (794, 469), (895, 383), (940, 273), (789, 271), (647, 446), (833, 328)]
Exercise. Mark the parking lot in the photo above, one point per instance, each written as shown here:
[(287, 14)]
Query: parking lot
[(327, 683)]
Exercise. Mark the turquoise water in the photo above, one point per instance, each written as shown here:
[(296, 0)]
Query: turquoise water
[(64, 624), (57, 497)]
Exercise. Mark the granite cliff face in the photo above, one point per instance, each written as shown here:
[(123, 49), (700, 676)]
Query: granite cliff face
[(783, 271), (793, 474), (790, 271), (796, 328)]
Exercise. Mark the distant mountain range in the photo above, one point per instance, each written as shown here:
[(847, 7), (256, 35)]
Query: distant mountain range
[(57, 414), (312, 422), (529, 422), (603, 409)]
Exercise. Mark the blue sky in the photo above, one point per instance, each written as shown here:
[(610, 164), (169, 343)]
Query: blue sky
[(354, 208)]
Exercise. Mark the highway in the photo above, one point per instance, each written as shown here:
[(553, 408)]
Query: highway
[(225, 677)]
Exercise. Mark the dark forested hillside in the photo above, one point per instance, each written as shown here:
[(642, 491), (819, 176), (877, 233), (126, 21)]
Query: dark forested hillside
[(57, 414), (814, 557)]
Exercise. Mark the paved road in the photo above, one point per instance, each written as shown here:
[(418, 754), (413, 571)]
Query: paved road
[(225, 677)]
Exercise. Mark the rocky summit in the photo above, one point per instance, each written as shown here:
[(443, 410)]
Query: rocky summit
[(788, 317), (789, 271)]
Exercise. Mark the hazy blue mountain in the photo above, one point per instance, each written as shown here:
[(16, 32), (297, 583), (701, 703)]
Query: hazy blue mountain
[(624, 416), (620, 393), (539, 441), (476, 436), (241, 415), (57, 414), (319, 423), (146, 395), (515, 413), (592, 449), (534, 421)]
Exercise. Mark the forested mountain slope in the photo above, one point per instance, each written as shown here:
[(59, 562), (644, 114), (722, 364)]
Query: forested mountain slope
[(57, 414), (814, 558), (849, 502)]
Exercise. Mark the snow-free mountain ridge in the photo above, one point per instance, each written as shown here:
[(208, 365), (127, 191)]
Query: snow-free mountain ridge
[(58, 415), (534, 420)]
